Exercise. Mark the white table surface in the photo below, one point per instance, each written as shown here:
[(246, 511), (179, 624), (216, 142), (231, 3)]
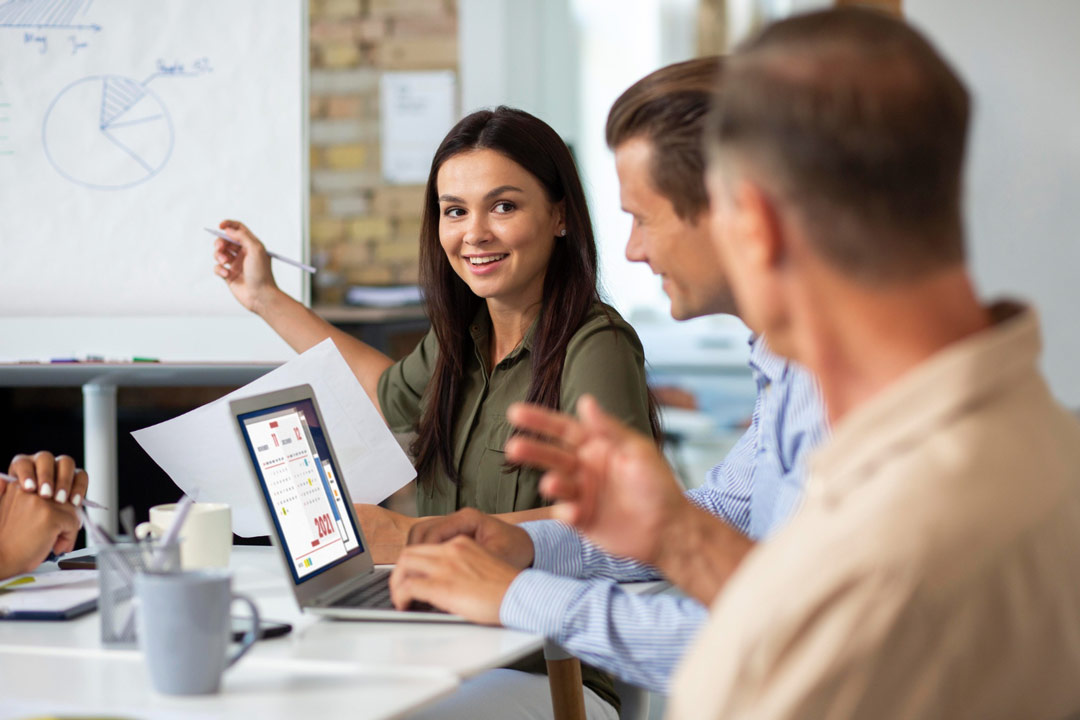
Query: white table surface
[(366, 669), (56, 682)]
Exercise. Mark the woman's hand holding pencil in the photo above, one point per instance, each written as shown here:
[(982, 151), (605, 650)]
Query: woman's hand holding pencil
[(244, 264)]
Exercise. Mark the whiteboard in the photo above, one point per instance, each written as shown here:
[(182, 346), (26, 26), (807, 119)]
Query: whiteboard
[(126, 126)]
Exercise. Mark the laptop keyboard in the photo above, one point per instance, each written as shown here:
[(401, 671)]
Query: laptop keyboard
[(376, 596)]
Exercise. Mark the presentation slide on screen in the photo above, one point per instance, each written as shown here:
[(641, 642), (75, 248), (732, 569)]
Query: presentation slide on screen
[(303, 491)]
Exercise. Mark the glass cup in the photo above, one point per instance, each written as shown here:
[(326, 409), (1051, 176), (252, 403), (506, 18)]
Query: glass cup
[(117, 567)]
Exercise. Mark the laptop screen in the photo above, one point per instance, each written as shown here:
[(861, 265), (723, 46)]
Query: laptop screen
[(300, 485)]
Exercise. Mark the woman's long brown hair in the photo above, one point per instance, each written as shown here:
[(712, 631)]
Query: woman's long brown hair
[(570, 283)]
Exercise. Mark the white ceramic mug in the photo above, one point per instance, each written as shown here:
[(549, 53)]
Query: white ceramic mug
[(205, 538)]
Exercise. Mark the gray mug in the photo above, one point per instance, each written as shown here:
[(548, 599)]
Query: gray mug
[(184, 629)]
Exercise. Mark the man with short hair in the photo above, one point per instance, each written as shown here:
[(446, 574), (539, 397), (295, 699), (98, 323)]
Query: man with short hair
[(931, 571), (543, 578)]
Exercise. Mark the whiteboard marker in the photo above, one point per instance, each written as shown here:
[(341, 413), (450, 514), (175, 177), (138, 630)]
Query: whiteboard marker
[(303, 266)]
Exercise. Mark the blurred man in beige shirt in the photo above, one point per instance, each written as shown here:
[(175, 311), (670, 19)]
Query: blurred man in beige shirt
[(933, 569)]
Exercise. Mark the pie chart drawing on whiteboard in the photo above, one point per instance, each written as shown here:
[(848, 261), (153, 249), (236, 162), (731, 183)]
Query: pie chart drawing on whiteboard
[(107, 132)]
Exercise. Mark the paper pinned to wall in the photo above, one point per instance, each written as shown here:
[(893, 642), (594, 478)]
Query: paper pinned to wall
[(201, 450), (416, 110)]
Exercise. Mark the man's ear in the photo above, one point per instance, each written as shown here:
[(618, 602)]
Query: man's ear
[(760, 230)]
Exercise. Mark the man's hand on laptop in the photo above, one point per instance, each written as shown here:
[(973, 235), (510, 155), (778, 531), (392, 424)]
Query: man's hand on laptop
[(507, 542), (457, 576)]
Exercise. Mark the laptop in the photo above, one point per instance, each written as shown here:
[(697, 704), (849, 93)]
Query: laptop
[(312, 520)]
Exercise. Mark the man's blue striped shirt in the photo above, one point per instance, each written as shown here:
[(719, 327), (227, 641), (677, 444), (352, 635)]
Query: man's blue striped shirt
[(571, 593)]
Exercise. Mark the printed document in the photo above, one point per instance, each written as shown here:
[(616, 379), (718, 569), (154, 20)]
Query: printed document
[(203, 454)]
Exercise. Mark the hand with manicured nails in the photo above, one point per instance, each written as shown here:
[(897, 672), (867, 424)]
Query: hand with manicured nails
[(38, 513), (51, 477)]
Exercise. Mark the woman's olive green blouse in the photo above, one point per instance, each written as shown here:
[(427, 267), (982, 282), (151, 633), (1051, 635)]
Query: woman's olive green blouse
[(604, 358)]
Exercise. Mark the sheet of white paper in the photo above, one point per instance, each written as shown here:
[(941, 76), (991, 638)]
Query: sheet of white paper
[(202, 452)]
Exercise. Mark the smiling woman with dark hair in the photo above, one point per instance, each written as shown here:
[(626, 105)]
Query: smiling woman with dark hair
[(505, 206), (508, 270), (509, 273)]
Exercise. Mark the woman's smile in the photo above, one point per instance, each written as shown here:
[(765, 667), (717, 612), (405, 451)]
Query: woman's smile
[(482, 264)]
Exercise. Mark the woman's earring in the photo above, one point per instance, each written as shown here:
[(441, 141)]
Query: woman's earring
[(562, 233)]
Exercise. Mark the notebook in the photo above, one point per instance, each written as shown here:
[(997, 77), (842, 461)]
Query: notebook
[(312, 519), (57, 595)]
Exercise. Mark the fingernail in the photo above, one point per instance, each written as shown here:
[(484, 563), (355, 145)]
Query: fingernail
[(76, 499), (61, 495), (46, 490), (28, 484)]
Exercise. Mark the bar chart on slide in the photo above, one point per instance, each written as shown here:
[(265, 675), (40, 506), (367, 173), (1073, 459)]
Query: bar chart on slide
[(107, 132)]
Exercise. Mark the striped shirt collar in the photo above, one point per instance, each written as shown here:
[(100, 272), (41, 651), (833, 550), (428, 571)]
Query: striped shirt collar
[(769, 366)]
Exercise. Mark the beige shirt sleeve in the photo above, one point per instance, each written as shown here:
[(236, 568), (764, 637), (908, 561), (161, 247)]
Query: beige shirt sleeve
[(800, 651)]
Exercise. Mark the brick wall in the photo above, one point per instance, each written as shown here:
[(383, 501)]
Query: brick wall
[(362, 230)]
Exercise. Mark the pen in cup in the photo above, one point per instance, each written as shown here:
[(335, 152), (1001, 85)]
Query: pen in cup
[(30, 485), (295, 263), (95, 531), (172, 535)]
